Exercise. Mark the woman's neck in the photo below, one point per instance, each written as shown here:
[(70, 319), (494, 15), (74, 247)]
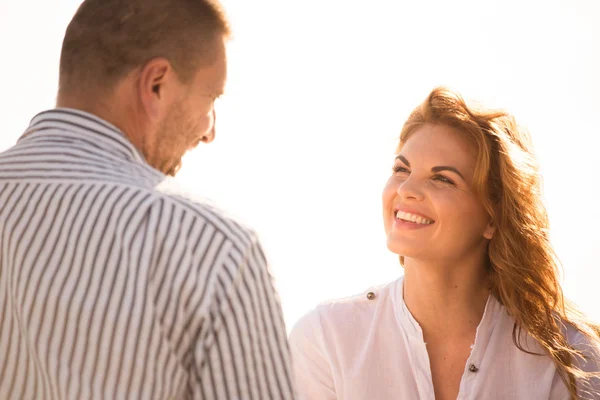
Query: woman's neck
[(446, 300)]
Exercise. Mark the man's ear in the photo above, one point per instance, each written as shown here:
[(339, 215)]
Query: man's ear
[(153, 79)]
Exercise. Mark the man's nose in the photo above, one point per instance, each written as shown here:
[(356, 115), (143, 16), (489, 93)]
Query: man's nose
[(210, 136)]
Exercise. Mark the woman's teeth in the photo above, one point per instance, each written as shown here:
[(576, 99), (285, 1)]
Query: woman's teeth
[(413, 218)]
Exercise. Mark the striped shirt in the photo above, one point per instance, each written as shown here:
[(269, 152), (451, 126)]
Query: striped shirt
[(115, 284)]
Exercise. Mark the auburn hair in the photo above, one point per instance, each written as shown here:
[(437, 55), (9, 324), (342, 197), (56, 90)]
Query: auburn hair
[(523, 267)]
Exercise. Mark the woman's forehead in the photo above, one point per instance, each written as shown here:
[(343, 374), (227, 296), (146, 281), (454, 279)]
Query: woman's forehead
[(439, 141)]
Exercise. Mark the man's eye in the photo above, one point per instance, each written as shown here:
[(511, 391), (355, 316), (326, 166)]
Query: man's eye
[(399, 168)]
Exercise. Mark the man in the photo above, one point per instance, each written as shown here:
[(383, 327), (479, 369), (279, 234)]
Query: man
[(112, 283)]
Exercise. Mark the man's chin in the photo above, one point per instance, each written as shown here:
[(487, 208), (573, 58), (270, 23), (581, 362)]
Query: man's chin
[(174, 170), (170, 169)]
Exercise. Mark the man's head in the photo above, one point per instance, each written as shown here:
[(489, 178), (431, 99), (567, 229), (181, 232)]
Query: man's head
[(151, 67)]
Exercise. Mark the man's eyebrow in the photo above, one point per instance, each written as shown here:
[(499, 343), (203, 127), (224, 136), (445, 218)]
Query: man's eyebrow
[(403, 159), (447, 168)]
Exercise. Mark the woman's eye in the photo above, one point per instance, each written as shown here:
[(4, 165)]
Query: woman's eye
[(442, 178), (399, 168)]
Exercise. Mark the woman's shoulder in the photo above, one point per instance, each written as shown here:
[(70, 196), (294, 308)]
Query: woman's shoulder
[(588, 359), (581, 341), (346, 312)]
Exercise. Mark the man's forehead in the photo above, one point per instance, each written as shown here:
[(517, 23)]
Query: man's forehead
[(212, 78)]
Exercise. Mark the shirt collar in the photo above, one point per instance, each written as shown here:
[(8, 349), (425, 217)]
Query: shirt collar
[(86, 126), (411, 327)]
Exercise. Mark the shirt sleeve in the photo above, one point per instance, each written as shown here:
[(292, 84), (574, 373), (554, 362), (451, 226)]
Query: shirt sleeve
[(587, 389), (312, 369), (589, 363), (245, 353)]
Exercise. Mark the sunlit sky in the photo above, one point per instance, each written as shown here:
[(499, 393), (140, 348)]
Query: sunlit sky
[(316, 96)]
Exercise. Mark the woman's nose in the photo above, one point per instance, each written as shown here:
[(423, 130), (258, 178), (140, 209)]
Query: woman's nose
[(410, 189)]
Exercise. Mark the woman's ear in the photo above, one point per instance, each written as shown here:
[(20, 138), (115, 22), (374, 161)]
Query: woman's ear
[(489, 231)]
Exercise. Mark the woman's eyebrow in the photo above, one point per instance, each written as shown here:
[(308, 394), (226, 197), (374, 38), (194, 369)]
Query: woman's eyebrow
[(447, 168)]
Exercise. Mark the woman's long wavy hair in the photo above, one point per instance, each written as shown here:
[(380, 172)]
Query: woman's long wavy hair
[(523, 268)]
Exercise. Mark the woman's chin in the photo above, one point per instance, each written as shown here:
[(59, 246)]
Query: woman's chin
[(398, 249), (405, 250)]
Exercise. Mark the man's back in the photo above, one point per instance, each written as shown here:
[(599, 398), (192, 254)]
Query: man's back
[(112, 285)]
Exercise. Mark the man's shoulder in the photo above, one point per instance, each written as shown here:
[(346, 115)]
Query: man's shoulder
[(201, 208)]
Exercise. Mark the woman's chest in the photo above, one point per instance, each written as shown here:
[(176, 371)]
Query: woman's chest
[(397, 367), (448, 363)]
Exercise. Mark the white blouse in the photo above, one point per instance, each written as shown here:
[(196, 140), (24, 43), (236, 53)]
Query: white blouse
[(370, 347)]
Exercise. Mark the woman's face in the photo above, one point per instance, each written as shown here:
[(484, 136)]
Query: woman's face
[(430, 209)]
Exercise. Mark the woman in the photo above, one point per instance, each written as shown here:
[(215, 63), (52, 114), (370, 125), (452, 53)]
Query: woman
[(479, 313)]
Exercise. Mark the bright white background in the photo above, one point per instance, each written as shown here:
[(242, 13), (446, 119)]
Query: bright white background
[(317, 93)]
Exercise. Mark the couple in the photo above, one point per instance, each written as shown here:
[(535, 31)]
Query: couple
[(114, 284)]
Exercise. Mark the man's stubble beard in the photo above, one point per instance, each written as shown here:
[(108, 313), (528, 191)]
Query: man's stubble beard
[(173, 140)]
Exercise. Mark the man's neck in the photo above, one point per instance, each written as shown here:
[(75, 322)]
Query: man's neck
[(118, 114)]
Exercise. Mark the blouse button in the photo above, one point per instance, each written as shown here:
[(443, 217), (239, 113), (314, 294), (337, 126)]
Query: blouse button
[(473, 368), (370, 295)]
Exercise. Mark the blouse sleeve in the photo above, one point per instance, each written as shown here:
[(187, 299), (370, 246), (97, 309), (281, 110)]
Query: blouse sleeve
[(590, 363), (312, 367)]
